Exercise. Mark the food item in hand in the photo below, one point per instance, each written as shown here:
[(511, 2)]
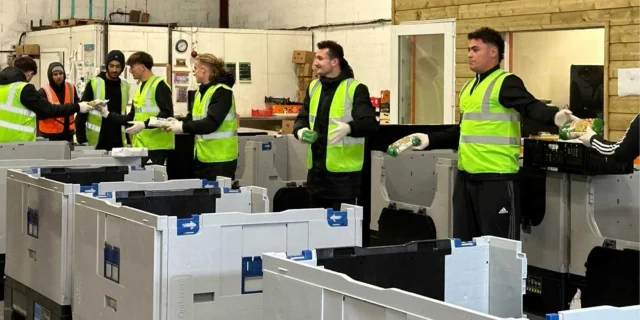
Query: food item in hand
[(403, 144), (160, 122), (573, 129), (309, 136), (97, 103)]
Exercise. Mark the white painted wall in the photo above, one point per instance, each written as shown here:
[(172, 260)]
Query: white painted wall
[(548, 55), (367, 48)]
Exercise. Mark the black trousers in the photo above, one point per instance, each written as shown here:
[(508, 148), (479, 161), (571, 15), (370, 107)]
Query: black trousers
[(315, 202), (485, 208), (211, 171), (158, 157)]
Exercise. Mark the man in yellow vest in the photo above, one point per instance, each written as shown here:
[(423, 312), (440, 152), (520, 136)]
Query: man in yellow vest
[(21, 105), (152, 100), (338, 108), (96, 128), (58, 91), (486, 193), (213, 120)]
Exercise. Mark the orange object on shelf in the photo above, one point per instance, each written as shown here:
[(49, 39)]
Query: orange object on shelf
[(636, 161), (261, 113)]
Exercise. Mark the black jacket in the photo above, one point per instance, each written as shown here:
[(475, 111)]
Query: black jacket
[(110, 130), (512, 95), (164, 99), (320, 182), (625, 149), (34, 101), (219, 107), (59, 90)]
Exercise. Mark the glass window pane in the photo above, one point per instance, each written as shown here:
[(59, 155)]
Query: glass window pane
[(421, 79)]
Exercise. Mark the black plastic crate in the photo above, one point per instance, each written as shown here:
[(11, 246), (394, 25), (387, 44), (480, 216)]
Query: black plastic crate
[(569, 157)]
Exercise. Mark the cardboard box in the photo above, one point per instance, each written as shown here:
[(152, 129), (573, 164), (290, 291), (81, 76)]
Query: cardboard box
[(386, 96), (302, 56), (287, 126), (304, 70), (28, 50), (303, 83)]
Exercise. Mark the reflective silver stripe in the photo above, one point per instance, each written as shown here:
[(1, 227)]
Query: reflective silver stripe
[(17, 127), (312, 118), (464, 87), (314, 88), (486, 113), (217, 135), (96, 113), (348, 141), (196, 118), (92, 127), (99, 85), (16, 110), (348, 104), (491, 140), (512, 117), (230, 116), (147, 109)]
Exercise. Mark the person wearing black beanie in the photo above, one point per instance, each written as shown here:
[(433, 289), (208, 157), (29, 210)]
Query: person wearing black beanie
[(92, 128)]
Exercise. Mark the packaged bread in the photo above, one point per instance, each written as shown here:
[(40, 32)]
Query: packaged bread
[(573, 129), (403, 144)]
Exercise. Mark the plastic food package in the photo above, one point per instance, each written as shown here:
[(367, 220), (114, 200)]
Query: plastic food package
[(160, 122), (403, 144), (97, 103), (573, 129), (309, 136)]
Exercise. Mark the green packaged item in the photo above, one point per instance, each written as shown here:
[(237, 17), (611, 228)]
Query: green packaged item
[(309, 136), (403, 144), (573, 129)]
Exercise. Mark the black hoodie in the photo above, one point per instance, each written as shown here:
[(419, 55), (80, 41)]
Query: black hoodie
[(219, 107), (320, 182), (110, 131), (34, 101), (59, 90)]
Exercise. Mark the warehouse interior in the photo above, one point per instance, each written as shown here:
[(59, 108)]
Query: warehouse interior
[(243, 181)]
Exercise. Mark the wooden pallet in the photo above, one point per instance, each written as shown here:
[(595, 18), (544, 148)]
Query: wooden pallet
[(73, 22)]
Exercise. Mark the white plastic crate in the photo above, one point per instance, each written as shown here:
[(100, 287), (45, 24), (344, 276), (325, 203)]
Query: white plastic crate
[(40, 227), (137, 265), (483, 280), (598, 313)]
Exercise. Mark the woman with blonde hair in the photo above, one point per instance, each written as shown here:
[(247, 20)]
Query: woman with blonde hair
[(212, 120)]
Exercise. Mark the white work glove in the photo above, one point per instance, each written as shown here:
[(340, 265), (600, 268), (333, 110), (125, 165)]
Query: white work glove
[(563, 116), (424, 141), (300, 132), (175, 126), (85, 107), (136, 127), (338, 133), (586, 137)]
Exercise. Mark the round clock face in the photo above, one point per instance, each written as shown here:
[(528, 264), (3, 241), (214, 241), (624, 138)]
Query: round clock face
[(182, 45)]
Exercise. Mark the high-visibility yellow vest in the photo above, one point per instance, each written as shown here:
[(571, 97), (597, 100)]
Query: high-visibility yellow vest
[(221, 145), (94, 118), (489, 132), (17, 123), (146, 106), (346, 155)]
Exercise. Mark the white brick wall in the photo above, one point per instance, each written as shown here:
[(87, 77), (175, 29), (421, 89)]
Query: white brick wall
[(367, 48)]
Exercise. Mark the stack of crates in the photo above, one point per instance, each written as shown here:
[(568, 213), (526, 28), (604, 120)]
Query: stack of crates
[(303, 61)]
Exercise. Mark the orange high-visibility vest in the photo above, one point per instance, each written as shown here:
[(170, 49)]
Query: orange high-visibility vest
[(56, 125)]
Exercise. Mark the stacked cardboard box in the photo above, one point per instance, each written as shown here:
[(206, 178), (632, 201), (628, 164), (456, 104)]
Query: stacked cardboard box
[(303, 61), (385, 107)]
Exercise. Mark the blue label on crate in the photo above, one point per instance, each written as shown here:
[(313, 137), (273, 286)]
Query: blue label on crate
[(112, 262), (266, 146), (337, 218), (251, 269), (188, 226), (40, 313), (206, 183), (306, 255), (93, 189), (229, 190), (459, 243)]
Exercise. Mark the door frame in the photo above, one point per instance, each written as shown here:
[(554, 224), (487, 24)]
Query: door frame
[(426, 27)]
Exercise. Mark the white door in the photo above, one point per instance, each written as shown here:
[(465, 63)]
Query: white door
[(423, 72)]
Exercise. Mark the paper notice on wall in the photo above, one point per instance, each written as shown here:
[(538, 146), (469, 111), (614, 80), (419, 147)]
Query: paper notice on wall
[(629, 82), (89, 55)]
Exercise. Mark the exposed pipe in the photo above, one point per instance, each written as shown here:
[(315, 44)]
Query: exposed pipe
[(59, 8), (73, 8), (105, 9), (170, 48), (224, 13), (90, 9)]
